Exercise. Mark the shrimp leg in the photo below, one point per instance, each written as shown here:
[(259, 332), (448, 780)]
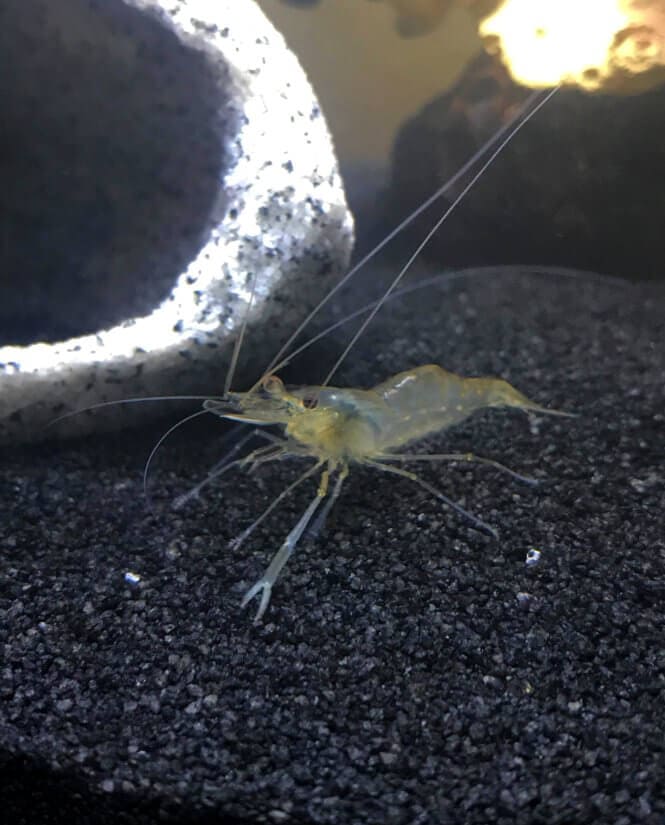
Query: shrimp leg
[(223, 465), (458, 457), (235, 543), (478, 523), (323, 514), (261, 455), (265, 583)]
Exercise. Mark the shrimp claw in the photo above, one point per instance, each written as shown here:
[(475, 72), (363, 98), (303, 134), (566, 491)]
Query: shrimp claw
[(264, 587), (265, 584)]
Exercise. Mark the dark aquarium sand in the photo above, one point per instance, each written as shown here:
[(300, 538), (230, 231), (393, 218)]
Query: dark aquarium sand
[(410, 669)]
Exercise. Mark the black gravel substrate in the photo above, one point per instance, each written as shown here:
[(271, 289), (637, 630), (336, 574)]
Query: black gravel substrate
[(409, 669)]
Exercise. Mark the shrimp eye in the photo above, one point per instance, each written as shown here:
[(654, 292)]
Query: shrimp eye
[(310, 401), (272, 384)]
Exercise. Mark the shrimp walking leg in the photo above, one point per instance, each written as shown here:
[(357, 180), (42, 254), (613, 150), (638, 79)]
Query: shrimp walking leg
[(265, 584), (224, 464), (235, 543), (478, 523), (259, 456), (316, 528), (470, 457)]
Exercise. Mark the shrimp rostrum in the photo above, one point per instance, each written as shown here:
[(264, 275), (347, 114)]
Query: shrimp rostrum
[(341, 427)]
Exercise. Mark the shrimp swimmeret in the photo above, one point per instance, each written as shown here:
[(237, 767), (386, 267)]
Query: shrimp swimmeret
[(338, 427)]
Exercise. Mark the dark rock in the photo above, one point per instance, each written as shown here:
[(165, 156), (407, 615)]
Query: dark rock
[(577, 187)]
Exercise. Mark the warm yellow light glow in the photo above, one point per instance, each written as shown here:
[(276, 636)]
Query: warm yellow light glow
[(545, 42)]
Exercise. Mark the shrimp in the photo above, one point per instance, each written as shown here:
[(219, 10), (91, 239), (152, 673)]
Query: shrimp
[(340, 427)]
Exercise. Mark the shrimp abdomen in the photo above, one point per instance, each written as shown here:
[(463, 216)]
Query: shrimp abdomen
[(428, 399)]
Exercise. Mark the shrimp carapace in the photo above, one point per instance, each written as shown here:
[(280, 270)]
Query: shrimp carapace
[(339, 427)]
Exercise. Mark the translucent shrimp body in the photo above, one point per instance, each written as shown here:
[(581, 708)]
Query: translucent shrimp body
[(347, 425), (340, 427), (419, 402)]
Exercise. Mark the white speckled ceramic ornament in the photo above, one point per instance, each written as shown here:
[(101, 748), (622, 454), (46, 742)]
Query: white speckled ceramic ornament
[(163, 153)]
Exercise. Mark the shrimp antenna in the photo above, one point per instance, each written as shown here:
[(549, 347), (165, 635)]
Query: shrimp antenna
[(448, 277), (239, 340), (163, 438), (103, 404), (507, 128), (514, 129)]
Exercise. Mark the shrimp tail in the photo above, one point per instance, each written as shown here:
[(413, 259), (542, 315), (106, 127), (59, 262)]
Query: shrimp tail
[(500, 393)]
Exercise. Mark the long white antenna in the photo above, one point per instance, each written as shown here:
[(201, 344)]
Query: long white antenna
[(509, 127), (239, 340), (448, 277), (518, 124)]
